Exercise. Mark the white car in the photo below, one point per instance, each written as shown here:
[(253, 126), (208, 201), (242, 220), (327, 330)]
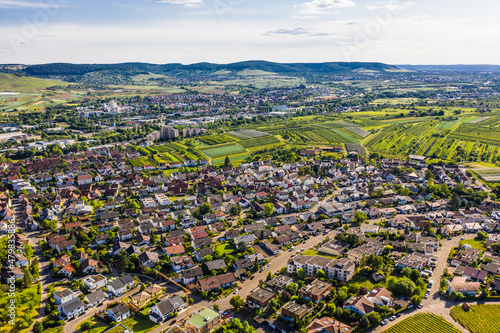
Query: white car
[(384, 322)]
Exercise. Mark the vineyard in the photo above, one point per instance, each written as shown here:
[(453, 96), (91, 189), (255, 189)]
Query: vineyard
[(357, 148), (142, 161), (216, 139), (358, 131), (423, 323), (248, 134), (483, 318), (316, 135), (489, 175), (262, 141), (238, 158)]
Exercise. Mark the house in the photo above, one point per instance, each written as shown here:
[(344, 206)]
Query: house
[(380, 296), (63, 296), (279, 283), (66, 270), (316, 291), (95, 298), (192, 275), (460, 285), (119, 286), (259, 298), (160, 311), (204, 321), (328, 325), (89, 266), (94, 282), (360, 304), (149, 259), (294, 312), (71, 309), (119, 312)]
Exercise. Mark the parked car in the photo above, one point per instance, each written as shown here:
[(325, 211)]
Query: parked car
[(384, 322), (420, 306), (392, 318)]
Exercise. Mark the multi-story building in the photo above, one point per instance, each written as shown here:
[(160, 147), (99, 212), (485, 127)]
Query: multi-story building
[(336, 269), (204, 321), (169, 133)]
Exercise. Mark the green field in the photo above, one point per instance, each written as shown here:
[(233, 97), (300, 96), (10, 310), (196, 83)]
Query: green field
[(216, 139), (27, 303), (17, 83), (226, 248), (262, 141), (223, 150), (484, 318), (475, 244), (423, 323), (236, 159)]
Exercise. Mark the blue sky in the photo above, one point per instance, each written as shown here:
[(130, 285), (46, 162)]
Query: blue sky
[(189, 31)]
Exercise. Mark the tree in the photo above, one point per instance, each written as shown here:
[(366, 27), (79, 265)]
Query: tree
[(205, 208), (235, 210), (404, 287), (38, 327), (320, 274), (226, 161), (416, 300), (364, 322), (428, 174), (301, 274), (374, 318), (268, 209), (269, 276), (360, 217), (292, 288), (256, 265), (342, 294), (237, 302), (455, 203), (216, 307)]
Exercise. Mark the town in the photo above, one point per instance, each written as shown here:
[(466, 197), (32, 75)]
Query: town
[(337, 245)]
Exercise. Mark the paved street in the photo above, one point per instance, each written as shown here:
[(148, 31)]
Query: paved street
[(435, 303)]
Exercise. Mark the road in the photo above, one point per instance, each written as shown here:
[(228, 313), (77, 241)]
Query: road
[(435, 303), (275, 264)]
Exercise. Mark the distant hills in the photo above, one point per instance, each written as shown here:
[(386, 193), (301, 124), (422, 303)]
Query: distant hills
[(76, 71), (452, 68)]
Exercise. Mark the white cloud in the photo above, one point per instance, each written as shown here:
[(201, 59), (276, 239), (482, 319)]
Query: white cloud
[(24, 4), (187, 3), (390, 5), (316, 7)]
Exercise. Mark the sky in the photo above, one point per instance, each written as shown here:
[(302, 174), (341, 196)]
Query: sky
[(224, 31)]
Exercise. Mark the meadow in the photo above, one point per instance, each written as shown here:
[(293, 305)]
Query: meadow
[(222, 150)]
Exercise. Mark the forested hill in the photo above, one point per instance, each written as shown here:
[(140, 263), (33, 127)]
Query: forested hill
[(65, 69)]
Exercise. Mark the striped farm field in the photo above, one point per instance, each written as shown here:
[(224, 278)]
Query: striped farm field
[(423, 323), (484, 318), (261, 141), (223, 150)]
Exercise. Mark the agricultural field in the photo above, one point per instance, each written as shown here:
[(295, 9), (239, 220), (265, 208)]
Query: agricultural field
[(355, 147), (223, 150), (454, 140), (142, 161), (248, 134), (484, 318), (260, 141), (236, 159), (489, 175), (423, 323), (216, 139), (358, 131)]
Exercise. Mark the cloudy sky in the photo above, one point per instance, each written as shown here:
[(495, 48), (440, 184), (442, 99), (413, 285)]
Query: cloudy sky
[(222, 31)]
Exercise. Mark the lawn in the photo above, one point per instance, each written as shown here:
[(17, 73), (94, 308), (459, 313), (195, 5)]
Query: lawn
[(236, 159), (475, 244), (137, 323), (483, 318), (226, 248), (423, 323), (311, 252), (222, 150)]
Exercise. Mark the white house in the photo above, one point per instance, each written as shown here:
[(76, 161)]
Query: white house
[(63, 296), (71, 309), (94, 281), (119, 312)]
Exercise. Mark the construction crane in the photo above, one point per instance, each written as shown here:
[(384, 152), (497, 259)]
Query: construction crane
[(183, 288)]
